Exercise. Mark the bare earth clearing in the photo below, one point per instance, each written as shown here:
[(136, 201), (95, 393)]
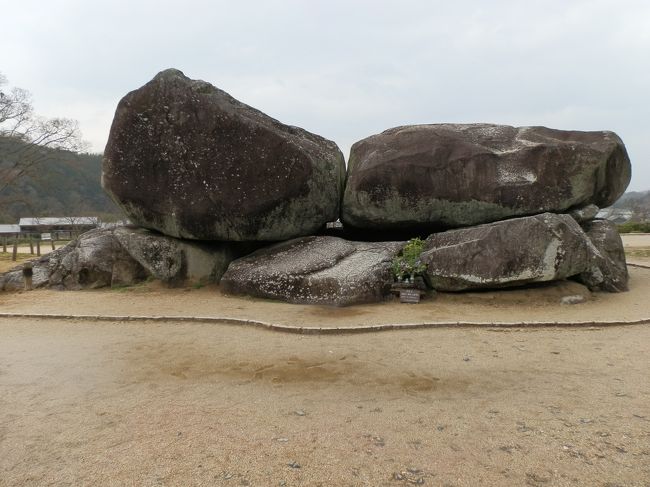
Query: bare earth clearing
[(149, 403)]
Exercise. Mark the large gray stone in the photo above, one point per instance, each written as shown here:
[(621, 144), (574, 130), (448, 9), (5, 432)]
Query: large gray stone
[(94, 260), (315, 270), (125, 256), (176, 261), (513, 252), (13, 279), (447, 175), (188, 160), (608, 271)]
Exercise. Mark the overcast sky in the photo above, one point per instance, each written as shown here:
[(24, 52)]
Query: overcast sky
[(348, 69)]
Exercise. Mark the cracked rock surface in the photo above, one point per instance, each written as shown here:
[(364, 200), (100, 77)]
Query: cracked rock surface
[(315, 270), (609, 271), (514, 252), (125, 256)]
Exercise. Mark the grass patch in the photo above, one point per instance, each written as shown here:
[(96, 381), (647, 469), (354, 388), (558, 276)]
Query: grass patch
[(634, 227)]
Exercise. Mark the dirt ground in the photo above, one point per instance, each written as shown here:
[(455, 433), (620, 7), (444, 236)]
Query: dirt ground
[(637, 247), (533, 304), (196, 404), (173, 403)]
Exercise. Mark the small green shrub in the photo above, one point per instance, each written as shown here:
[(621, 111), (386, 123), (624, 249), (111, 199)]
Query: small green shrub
[(634, 227), (408, 262)]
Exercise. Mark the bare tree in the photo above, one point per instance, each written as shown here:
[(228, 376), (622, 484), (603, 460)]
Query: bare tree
[(25, 137), (78, 223)]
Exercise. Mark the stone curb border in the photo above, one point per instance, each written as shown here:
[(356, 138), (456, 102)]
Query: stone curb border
[(640, 266), (307, 330)]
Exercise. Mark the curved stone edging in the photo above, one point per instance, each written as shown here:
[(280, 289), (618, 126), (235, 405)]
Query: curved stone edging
[(640, 266), (307, 330)]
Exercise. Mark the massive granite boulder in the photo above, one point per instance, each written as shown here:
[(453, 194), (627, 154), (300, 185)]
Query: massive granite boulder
[(125, 256), (608, 271), (513, 252), (447, 175), (188, 160), (315, 270)]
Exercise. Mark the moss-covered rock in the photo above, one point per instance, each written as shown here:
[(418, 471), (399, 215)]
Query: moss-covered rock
[(188, 160), (445, 176)]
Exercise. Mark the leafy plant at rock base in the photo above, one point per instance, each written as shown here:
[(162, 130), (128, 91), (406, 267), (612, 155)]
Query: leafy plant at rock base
[(408, 263)]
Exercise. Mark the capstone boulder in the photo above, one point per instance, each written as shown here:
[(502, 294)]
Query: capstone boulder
[(190, 161), (441, 176)]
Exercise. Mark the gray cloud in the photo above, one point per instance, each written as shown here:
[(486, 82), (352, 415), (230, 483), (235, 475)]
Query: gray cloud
[(349, 69)]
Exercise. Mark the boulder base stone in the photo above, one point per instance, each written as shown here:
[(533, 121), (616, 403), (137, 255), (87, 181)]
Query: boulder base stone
[(93, 260), (448, 175), (584, 214), (316, 270), (188, 160), (126, 256), (609, 271), (176, 261), (513, 252)]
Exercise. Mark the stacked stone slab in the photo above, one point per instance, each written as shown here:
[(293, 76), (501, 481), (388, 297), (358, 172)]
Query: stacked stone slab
[(502, 206), (482, 177)]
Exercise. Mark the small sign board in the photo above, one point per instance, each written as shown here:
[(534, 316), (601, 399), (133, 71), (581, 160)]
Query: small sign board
[(409, 296)]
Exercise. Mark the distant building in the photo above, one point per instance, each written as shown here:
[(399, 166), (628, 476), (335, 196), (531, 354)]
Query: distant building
[(615, 215), (61, 227), (9, 230)]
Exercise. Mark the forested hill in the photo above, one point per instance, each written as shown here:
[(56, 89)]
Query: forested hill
[(61, 184)]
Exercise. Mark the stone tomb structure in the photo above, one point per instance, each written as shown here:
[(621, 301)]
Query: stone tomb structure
[(220, 192)]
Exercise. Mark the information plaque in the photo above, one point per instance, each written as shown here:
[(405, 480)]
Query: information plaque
[(409, 296)]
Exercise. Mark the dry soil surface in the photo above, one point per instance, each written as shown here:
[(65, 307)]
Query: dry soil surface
[(198, 404), (533, 304), (637, 247), (177, 403)]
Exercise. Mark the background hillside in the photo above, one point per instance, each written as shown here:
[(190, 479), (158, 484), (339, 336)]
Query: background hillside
[(638, 202), (63, 184)]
